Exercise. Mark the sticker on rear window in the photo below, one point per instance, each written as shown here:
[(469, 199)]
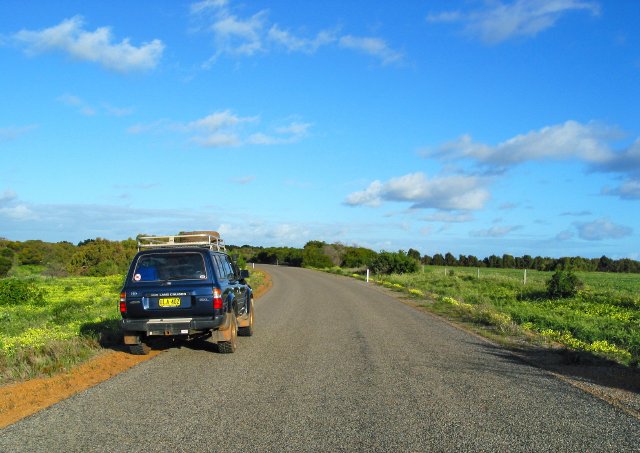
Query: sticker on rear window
[(137, 277)]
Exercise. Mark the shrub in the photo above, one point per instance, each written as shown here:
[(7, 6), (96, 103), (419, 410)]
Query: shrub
[(5, 265), (18, 292), (563, 284), (394, 263)]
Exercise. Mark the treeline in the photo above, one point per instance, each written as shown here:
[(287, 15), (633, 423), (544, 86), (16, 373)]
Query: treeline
[(320, 254), (98, 257), (576, 263), (92, 257)]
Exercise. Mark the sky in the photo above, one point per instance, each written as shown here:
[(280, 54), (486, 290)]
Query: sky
[(474, 127)]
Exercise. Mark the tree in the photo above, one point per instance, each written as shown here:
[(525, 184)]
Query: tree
[(605, 264), (31, 252), (508, 261), (357, 257), (438, 260), (314, 256), (450, 260), (394, 263), (563, 284), (412, 253)]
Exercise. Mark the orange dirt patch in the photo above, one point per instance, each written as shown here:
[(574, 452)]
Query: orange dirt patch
[(25, 398), (22, 399)]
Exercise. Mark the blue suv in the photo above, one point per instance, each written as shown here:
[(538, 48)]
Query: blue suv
[(185, 286)]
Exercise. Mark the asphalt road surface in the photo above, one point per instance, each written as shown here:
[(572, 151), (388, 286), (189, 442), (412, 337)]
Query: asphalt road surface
[(334, 365)]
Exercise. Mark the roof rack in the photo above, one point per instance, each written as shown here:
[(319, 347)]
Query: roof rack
[(210, 241)]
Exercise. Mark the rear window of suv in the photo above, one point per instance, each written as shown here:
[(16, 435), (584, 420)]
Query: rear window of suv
[(170, 266)]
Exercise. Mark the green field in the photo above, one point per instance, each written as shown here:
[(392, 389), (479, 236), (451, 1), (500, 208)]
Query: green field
[(602, 319), (58, 323)]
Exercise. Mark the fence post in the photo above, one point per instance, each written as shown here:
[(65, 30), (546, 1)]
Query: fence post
[(478, 273), (525, 276), (367, 275)]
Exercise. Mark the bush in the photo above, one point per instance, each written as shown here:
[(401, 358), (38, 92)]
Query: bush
[(563, 284), (18, 292), (5, 265), (393, 263)]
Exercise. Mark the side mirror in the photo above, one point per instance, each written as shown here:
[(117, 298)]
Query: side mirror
[(244, 273)]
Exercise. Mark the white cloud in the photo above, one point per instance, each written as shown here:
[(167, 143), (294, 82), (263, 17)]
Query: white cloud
[(602, 229), (219, 120), (218, 140), (375, 47), (226, 129), (562, 141), (13, 132), (457, 192), (292, 133), (449, 217), (627, 160), (234, 35), (7, 196), (500, 21), (495, 231), (20, 212), (591, 143), (296, 44), (97, 46), (117, 111), (74, 101), (565, 235), (12, 210)]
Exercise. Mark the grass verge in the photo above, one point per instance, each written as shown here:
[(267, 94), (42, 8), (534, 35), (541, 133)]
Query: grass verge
[(54, 324), (601, 321)]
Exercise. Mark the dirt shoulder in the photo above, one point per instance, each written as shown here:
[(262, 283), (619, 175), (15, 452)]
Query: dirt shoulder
[(22, 399)]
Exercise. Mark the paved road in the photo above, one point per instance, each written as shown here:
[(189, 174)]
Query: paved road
[(335, 365)]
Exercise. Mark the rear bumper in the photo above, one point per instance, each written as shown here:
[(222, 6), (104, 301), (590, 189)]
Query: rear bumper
[(170, 326)]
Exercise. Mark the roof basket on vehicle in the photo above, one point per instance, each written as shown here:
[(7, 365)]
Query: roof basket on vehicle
[(208, 239)]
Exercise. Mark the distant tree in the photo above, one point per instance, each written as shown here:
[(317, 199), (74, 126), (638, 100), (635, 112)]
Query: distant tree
[(605, 264), (31, 252), (508, 261), (313, 255), (438, 260), (357, 257), (493, 261), (413, 253), (450, 260), (473, 261), (101, 257)]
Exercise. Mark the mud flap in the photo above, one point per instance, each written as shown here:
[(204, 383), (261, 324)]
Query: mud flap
[(224, 333)]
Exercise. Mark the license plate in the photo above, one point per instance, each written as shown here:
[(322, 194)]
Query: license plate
[(169, 302)]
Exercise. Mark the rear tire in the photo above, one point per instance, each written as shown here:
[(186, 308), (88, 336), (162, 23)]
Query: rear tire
[(247, 331), (229, 347), (139, 349)]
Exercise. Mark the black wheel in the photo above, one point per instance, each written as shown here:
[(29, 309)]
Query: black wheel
[(139, 349), (229, 347), (247, 331)]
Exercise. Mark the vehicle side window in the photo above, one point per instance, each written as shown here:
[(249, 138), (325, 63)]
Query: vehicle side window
[(218, 266), (228, 269)]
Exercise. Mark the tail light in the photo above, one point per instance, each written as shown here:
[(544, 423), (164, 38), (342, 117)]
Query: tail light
[(123, 302), (217, 299)]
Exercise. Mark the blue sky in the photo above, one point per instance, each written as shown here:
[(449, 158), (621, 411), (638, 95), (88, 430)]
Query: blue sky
[(471, 127)]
